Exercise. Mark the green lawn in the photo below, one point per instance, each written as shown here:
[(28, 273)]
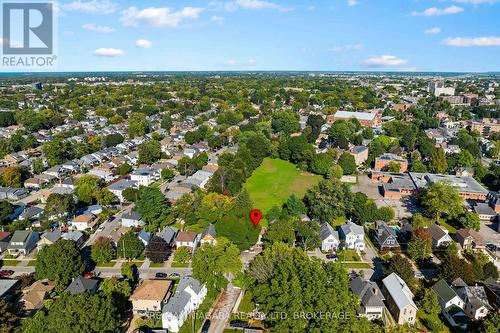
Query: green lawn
[(106, 264), (176, 264), (348, 255), (357, 265), (274, 181), (156, 265), (10, 262), (32, 263), (449, 227), (246, 304)]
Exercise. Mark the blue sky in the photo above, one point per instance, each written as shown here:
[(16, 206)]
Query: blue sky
[(422, 35)]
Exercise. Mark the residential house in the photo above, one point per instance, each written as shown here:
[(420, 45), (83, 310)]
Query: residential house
[(352, 235), (80, 285), (385, 238), (492, 289), (23, 242), (440, 236), (150, 296), (329, 237), (371, 298), (470, 239), (144, 237), (75, 236), (476, 301), (209, 235), (188, 239), (383, 162), (360, 154), (84, 221), (447, 296), (168, 234), (132, 219), (485, 212), (34, 183), (4, 240), (188, 296), (49, 238), (8, 193), (31, 213), (145, 176), (34, 295), (120, 186), (399, 299), (8, 287)]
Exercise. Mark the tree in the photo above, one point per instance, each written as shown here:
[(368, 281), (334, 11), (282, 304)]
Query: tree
[(438, 163), (402, 267), (60, 262), (129, 271), (470, 220), (294, 206), (105, 197), (453, 267), (158, 250), (286, 122), (212, 264), (76, 313), (419, 221), (328, 200), (153, 207), (113, 139), (8, 319), (166, 122), (347, 162), (102, 250), (386, 214), (280, 231), (129, 246), (335, 172), (6, 209), (420, 245), (124, 169), (87, 187), (182, 255), (37, 166), (137, 124), (419, 166), (490, 270), (14, 176), (149, 152), (118, 290), (321, 163), (491, 324), (308, 235), (59, 205), (442, 198), (428, 302), (167, 174), (394, 167)]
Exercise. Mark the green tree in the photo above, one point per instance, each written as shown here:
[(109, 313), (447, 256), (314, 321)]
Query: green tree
[(129, 246), (87, 187), (294, 206), (60, 262), (453, 267), (113, 139), (182, 255), (167, 174), (14, 176), (491, 324), (9, 321), (102, 250), (166, 122), (280, 231), (158, 250), (402, 267), (321, 163), (153, 207), (328, 200), (6, 209), (419, 166), (137, 124), (307, 235), (212, 264), (59, 205), (149, 152), (105, 197), (420, 245), (335, 172), (442, 198), (470, 220), (438, 163), (386, 214), (394, 167), (286, 122), (348, 164), (428, 302), (124, 169)]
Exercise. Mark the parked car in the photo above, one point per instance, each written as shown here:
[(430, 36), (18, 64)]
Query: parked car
[(161, 275), (88, 275), (6, 273), (331, 256), (206, 326), (174, 274), (238, 324)]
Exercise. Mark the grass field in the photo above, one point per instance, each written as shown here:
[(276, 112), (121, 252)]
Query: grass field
[(106, 264), (176, 264), (11, 262), (32, 263), (156, 265), (274, 181), (356, 265)]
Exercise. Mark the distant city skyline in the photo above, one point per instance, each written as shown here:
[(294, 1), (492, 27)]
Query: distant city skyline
[(248, 35)]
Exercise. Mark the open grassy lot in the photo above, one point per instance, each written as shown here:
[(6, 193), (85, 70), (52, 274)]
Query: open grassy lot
[(274, 181)]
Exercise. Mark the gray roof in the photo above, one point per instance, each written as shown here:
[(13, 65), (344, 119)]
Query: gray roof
[(461, 183), (398, 290), (132, 215), (73, 235), (444, 291), (181, 297), (352, 228), (168, 234), (31, 211), (21, 236), (484, 209), (146, 236), (210, 230), (80, 285), (326, 230), (122, 185), (367, 291), (6, 285), (384, 232), (52, 236)]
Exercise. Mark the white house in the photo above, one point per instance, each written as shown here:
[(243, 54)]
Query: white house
[(186, 238), (120, 186), (145, 176), (188, 296), (440, 236), (329, 238), (451, 304), (353, 236), (132, 219)]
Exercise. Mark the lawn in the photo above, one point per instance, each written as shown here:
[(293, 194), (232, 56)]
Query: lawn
[(274, 181), (176, 264), (156, 265), (357, 265), (10, 262), (348, 255), (106, 264), (246, 304), (32, 263)]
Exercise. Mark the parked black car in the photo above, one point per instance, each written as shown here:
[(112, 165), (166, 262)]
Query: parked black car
[(206, 326), (161, 275), (238, 324)]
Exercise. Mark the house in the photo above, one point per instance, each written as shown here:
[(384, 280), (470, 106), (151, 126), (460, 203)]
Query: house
[(34, 183), (383, 162), (385, 238), (399, 299), (440, 236), (209, 235), (132, 219), (451, 304), (168, 234), (360, 154), (75, 236), (49, 238), (150, 296), (366, 119), (188, 296), (476, 301), (8, 193), (494, 201), (329, 237), (145, 176), (83, 222), (120, 186), (81, 285), (187, 239), (31, 213), (485, 212), (23, 242), (144, 237), (4, 240), (371, 298), (7, 288), (492, 289), (34, 295), (352, 235), (470, 239)]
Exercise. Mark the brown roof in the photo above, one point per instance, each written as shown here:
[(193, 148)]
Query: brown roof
[(437, 232), (35, 294), (83, 218), (472, 233), (154, 290), (186, 236), (4, 234)]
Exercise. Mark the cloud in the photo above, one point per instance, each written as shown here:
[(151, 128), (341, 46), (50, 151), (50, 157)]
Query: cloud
[(97, 28), (232, 6), (477, 2), (434, 11), (349, 47), (143, 43), (432, 31), (235, 63), (108, 52), (158, 16), (216, 18), (92, 6), (352, 2), (384, 61), (472, 41)]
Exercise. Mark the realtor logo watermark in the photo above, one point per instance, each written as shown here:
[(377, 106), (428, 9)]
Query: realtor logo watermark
[(28, 34)]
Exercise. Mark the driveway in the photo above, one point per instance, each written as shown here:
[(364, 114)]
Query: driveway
[(221, 311)]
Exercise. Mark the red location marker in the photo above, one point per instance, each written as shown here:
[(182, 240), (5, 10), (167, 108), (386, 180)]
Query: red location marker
[(255, 216)]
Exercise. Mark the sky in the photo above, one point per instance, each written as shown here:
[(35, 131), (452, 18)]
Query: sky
[(323, 35)]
